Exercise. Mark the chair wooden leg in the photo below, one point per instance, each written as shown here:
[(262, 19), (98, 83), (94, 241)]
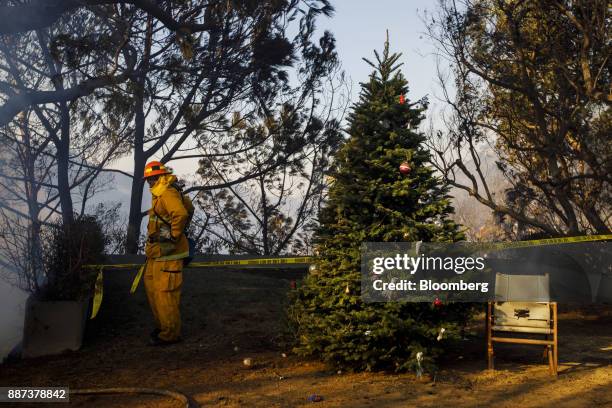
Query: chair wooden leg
[(489, 321), (551, 363), (555, 340)]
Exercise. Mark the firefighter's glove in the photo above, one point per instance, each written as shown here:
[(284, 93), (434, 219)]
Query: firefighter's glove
[(165, 235)]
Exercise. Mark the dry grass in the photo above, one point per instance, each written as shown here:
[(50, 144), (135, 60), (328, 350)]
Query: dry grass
[(230, 315)]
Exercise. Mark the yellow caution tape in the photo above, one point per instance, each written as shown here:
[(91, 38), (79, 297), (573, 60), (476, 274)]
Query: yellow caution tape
[(546, 241), (308, 259), (261, 261), (137, 279), (113, 266), (98, 293)]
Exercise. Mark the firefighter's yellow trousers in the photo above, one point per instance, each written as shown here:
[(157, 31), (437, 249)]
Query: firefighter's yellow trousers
[(163, 280)]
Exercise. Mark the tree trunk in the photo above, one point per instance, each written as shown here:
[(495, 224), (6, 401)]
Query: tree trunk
[(31, 192), (135, 217), (595, 220), (63, 165), (265, 216), (140, 158)]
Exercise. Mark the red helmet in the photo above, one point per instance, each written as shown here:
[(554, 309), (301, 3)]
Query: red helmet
[(155, 168)]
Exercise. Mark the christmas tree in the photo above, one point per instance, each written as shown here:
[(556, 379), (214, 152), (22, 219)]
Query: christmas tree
[(382, 190)]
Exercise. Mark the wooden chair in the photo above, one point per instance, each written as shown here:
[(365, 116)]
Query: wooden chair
[(523, 317)]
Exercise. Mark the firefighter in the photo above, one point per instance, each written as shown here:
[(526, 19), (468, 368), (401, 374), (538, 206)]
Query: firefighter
[(166, 248)]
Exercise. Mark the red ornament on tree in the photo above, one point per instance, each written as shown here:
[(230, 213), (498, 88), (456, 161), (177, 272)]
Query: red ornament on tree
[(437, 302), (404, 168), (402, 99)]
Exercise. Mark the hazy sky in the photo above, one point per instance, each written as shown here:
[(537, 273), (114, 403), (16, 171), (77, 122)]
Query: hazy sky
[(359, 27)]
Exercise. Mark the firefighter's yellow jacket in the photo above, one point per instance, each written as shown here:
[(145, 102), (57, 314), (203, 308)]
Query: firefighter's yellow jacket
[(169, 209)]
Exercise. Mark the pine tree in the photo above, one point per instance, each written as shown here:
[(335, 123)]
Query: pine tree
[(370, 200)]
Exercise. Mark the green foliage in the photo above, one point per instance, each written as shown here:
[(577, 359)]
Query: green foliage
[(66, 248), (369, 200)]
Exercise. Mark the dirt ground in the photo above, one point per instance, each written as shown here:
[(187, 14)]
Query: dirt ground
[(230, 315)]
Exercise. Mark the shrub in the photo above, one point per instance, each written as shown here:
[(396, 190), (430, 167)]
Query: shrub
[(66, 249)]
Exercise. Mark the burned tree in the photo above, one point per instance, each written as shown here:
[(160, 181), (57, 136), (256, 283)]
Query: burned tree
[(182, 93), (272, 212), (532, 82), (263, 181)]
